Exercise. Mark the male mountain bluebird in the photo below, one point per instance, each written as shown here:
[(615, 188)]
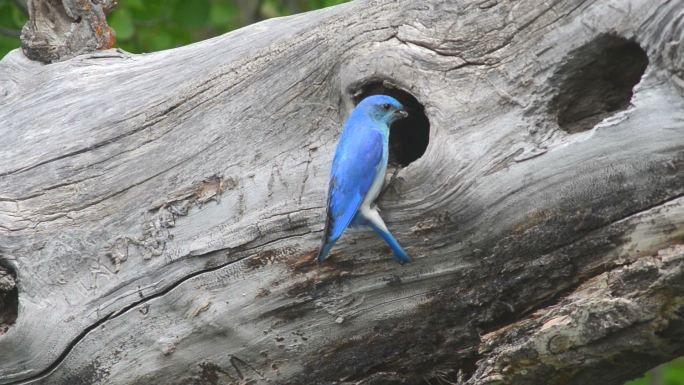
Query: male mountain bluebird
[(358, 172)]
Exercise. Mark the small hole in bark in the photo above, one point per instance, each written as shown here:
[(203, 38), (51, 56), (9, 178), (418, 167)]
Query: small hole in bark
[(409, 137), (9, 298), (596, 81)]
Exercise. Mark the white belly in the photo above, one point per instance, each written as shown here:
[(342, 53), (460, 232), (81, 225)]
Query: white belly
[(375, 188)]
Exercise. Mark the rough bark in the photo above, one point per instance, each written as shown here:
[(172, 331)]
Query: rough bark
[(160, 212), (61, 29)]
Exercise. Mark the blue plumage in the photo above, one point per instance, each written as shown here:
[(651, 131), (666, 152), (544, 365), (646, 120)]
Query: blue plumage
[(358, 172)]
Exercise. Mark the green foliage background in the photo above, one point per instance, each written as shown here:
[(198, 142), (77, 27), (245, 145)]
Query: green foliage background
[(154, 25), (12, 18), (671, 373)]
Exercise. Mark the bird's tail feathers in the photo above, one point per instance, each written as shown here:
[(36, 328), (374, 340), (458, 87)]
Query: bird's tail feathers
[(324, 250), (399, 253)]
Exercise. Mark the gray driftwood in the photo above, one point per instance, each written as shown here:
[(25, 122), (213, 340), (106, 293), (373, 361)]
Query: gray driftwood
[(159, 213)]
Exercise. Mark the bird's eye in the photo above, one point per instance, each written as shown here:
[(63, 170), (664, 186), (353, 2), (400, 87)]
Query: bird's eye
[(386, 106)]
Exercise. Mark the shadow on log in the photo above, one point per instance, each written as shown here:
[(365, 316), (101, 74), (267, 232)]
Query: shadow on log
[(161, 212), (9, 297)]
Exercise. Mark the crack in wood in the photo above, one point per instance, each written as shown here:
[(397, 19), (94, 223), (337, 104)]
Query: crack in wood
[(114, 314)]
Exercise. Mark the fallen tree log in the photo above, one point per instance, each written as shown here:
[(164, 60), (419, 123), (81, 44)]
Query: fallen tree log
[(159, 213)]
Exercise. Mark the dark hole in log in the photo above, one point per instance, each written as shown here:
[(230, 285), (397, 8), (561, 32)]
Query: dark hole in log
[(596, 81), (9, 298), (409, 137)]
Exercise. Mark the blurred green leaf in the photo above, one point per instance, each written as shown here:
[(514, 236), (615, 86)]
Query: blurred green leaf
[(154, 40), (161, 41), (313, 4), (6, 18), (133, 4), (191, 14), (224, 15), (18, 17), (674, 372), (6, 45), (270, 8), (122, 23), (11, 21)]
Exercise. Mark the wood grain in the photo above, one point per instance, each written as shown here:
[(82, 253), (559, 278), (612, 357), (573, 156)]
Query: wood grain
[(161, 211)]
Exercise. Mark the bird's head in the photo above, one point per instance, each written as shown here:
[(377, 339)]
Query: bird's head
[(382, 108)]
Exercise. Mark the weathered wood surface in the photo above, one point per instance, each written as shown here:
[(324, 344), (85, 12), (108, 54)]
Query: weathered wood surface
[(161, 211)]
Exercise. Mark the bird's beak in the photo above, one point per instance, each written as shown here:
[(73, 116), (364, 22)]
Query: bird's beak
[(399, 114)]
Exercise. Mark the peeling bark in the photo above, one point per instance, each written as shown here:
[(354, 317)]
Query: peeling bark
[(160, 212)]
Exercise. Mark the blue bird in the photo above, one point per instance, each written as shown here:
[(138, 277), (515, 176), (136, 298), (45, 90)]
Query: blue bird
[(358, 173)]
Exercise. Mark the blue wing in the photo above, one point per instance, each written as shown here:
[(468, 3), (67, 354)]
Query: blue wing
[(358, 154)]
